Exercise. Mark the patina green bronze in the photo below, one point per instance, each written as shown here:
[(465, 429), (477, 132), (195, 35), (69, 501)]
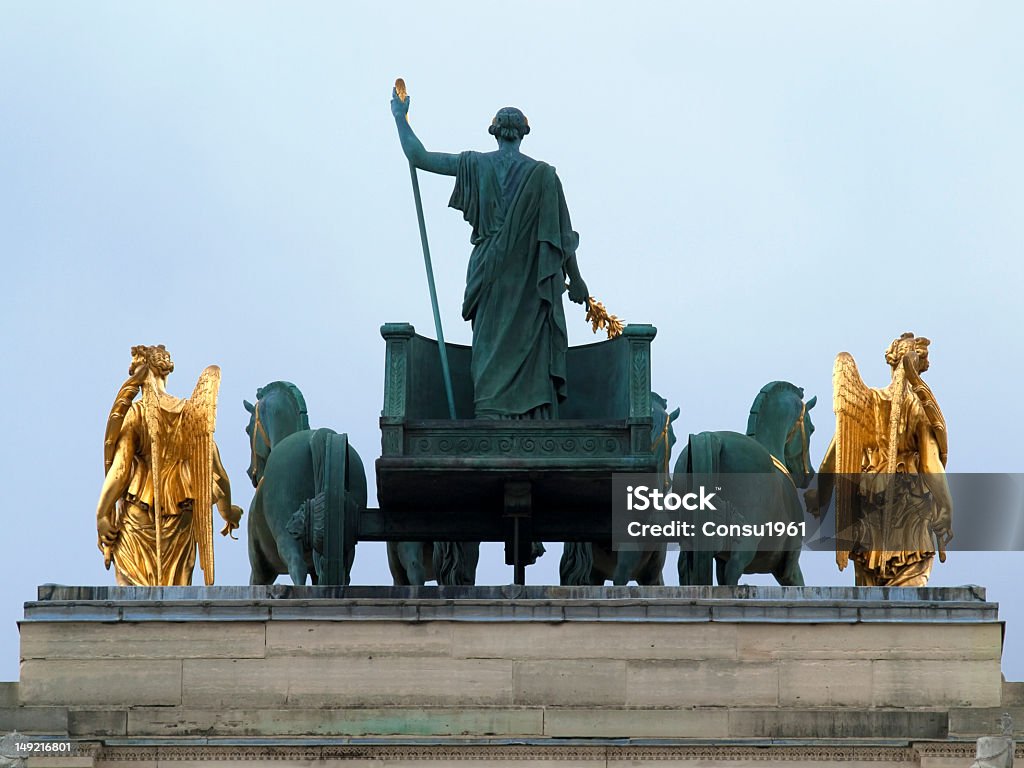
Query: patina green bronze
[(310, 489), (400, 93), (595, 562), (516, 481), (524, 248), (776, 452), (449, 563)]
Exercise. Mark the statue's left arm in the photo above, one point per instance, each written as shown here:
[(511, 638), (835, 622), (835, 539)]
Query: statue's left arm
[(570, 241), (222, 495), (934, 476), (115, 484), (578, 291)]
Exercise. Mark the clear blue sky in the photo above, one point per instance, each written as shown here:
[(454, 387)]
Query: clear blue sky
[(768, 183)]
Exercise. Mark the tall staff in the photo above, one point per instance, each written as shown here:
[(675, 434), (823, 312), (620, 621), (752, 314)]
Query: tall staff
[(401, 93)]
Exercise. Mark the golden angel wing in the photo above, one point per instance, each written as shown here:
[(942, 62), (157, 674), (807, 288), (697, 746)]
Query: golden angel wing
[(201, 408), (199, 418), (854, 407)]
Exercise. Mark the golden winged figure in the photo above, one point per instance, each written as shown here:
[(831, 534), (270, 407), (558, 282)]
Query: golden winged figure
[(886, 464), (163, 474)]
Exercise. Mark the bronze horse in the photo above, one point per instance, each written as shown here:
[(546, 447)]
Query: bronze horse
[(761, 472), (296, 470)]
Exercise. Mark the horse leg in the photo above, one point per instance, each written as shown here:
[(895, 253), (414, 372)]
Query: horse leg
[(720, 570), (651, 572), (287, 485), (262, 571), (291, 552), (412, 557), (736, 565), (788, 574), (350, 558), (470, 561), (626, 565), (695, 568), (399, 578)]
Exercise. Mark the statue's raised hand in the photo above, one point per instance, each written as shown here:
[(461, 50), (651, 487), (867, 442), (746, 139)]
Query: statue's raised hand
[(399, 108)]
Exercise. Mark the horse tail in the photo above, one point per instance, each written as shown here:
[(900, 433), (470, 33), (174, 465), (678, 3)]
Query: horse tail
[(449, 557), (577, 563), (702, 468), (455, 562)]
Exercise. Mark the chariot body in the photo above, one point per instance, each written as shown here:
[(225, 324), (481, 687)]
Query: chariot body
[(513, 481), (440, 479)]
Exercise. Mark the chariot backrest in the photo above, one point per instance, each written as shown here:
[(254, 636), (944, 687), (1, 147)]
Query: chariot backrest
[(606, 381)]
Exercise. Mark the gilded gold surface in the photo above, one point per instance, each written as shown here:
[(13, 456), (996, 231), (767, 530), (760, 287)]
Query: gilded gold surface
[(163, 474), (600, 320), (887, 464)]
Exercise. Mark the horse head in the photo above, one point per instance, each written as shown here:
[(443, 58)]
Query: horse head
[(798, 447), (781, 422), (259, 443), (280, 410), (663, 436)]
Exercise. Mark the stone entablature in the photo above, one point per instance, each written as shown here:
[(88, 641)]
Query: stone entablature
[(749, 673)]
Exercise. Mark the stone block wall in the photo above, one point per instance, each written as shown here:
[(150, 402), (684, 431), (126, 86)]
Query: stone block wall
[(599, 666)]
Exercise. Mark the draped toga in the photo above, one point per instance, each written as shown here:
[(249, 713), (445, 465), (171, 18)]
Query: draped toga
[(899, 555), (135, 552), (522, 238)]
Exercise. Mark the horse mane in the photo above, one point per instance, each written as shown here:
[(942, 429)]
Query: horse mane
[(294, 393), (767, 391)]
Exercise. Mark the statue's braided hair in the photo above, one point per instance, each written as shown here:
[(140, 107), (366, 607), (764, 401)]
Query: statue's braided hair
[(159, 360), (509, 124), (906, 343)]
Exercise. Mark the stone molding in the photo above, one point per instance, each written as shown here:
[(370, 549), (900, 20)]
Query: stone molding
[(955, 750), (502, 752), (788, 605), (585, 674)]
